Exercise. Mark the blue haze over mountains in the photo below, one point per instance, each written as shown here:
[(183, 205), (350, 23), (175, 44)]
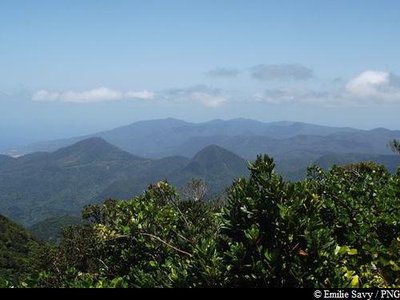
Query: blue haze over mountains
[(167, 137), (59, 177)]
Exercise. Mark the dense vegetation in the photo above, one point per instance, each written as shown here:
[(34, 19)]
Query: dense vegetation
[(19, 253), (336, 228)]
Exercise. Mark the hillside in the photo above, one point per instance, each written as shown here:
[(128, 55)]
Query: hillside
[(18, 251), (153, 171), (50, 230), (41, 185)]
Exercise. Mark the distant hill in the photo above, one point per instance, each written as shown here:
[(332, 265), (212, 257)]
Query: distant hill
[(41, 185), (18, 251), (216, 160), (215, 165), (50, 230)]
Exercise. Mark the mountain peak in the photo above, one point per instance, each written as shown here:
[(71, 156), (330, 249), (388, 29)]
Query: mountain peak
[(214, 159), (157, 122), (94, 141), (91, 149), (88, 144), (211, 149)]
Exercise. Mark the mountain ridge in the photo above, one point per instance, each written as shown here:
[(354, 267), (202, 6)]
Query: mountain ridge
[(137, 137), (40, 185)]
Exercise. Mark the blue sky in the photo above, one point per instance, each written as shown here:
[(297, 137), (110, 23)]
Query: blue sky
[(72, 67)]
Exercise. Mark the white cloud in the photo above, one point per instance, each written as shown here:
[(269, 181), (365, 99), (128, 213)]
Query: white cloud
[(376, 86), (208, 100), (44, 95), (144, 95), (95, 95), (101, 94), (367, 88)]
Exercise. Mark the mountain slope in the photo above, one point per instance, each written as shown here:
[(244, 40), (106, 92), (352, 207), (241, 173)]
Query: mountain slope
[(18, 251), (136, 183), (51, 229)]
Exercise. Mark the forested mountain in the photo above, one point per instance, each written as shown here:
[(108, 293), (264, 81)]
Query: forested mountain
[(18, 251), (216, 166), (217, 161), (41, 185)]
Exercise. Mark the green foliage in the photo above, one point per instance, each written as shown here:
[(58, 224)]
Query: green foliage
[(336, 228), (149, 242), (19, 253)]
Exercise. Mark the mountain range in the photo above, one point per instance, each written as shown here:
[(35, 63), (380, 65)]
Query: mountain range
[(170, 137), (37, 186), (294, 145), (58, 178)]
